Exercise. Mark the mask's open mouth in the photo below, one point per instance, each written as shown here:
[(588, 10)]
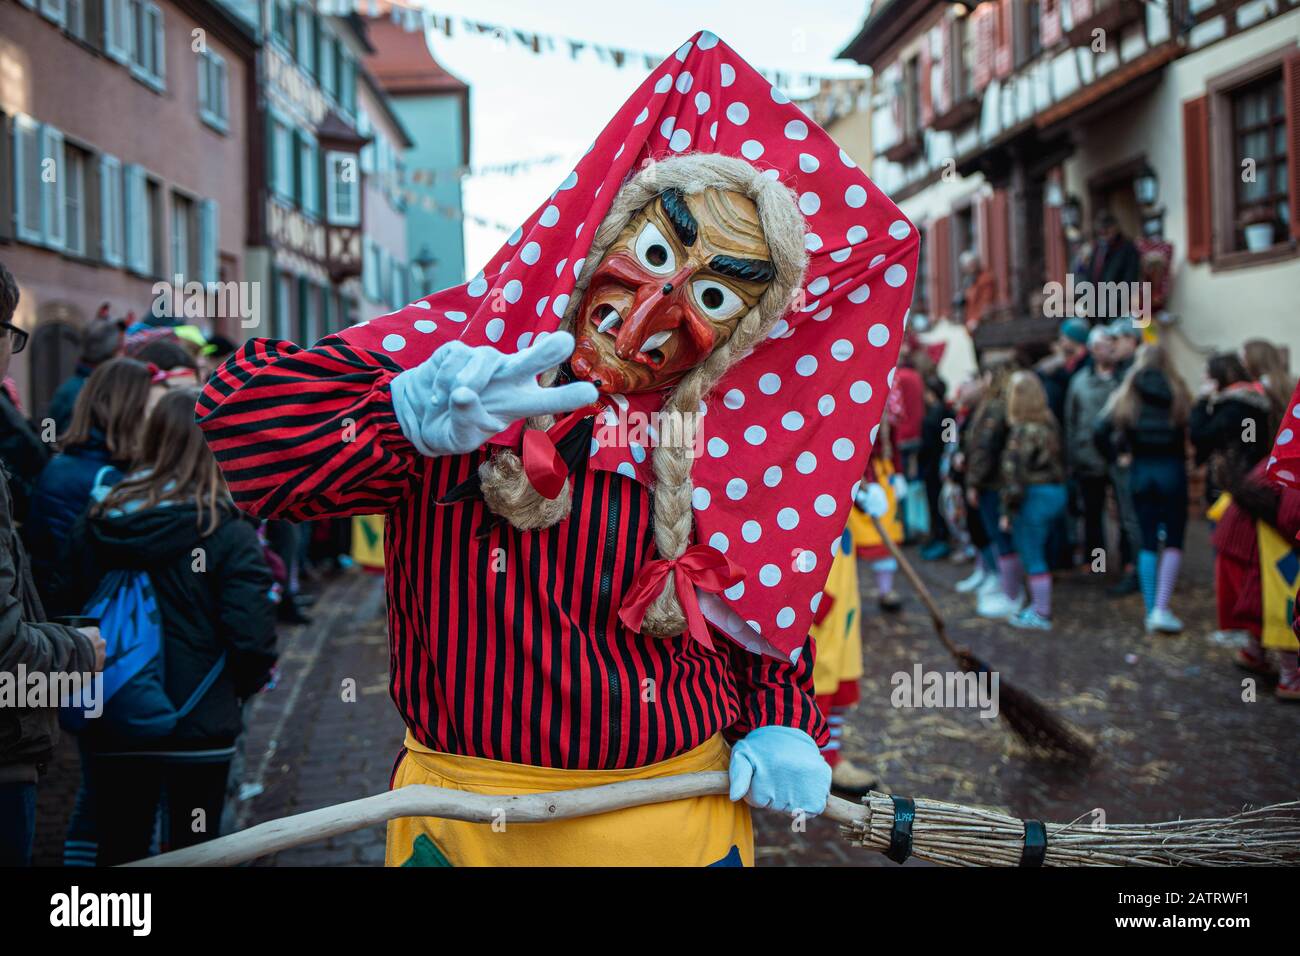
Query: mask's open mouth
[(607, 318)]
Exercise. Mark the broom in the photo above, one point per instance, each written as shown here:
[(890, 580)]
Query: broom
[(948, 834), (1027, 717)]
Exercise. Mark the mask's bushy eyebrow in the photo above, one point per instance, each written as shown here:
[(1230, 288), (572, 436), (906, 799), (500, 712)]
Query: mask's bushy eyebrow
[(680, 215), (751, 270)]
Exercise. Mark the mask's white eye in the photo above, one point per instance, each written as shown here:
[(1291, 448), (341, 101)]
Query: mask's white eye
[(717, 301), (654, 252)]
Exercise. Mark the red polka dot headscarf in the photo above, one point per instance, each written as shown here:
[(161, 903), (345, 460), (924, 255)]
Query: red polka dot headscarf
[(788, 428), (1284, 463)]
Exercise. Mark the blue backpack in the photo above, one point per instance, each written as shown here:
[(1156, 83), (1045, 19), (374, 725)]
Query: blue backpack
[(135, 701)]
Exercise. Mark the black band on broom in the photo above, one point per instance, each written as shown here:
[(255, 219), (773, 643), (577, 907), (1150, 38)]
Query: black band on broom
[(1028, 718), (948, 834)]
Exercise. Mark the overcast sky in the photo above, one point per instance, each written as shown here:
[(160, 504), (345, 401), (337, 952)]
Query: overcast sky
[(525, 105)]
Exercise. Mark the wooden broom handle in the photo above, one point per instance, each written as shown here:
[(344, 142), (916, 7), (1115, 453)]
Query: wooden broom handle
[(421, 800), (922, 591)]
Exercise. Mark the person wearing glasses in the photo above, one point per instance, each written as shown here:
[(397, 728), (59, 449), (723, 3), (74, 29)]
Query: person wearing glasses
[(22, 453), (27, 640)]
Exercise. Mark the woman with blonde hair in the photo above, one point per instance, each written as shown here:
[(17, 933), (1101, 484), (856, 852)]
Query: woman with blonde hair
[(1265, 364), (1144, 426), (1033, 496)]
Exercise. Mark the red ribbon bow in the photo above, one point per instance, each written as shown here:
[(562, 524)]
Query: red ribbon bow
[(543, 466), (700, 566)]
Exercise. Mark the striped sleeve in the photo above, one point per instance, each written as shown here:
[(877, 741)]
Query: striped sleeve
[(776, 692), (307, 433)]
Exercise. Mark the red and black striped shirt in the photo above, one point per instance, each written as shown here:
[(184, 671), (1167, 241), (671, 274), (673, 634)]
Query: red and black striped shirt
[(506, 646)]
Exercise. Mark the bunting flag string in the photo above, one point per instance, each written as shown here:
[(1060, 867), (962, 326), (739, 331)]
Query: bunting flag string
[(413, 15)]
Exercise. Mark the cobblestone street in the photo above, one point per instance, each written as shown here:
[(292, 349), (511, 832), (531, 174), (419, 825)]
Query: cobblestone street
[(1173, 736)]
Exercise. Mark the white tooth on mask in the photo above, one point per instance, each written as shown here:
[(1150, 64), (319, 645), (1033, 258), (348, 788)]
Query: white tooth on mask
[(609, 321), (656, 340)]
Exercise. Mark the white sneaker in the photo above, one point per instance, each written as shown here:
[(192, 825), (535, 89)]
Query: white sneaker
[(998, 607), (1161, 620), (992, 584), (972, 581)]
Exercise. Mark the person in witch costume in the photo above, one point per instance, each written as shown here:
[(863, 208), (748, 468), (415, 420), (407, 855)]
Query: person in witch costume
[(613, 467)]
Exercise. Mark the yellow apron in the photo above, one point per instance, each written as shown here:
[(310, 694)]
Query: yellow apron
[(1279, 570), (838, 638), (701, 831), (865, 538), (368, 541)]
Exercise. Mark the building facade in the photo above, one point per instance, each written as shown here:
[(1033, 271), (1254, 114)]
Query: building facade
[(1004, 127), (434, 107), (123, 163)]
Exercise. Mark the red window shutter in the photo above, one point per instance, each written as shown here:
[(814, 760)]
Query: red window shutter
[(1196, 167), (1004, 59), (1080, 10), (1291, 93), (943, 97), (1049, 23), (983, 22), (941, 268), (1000, 253), (1053, 245)]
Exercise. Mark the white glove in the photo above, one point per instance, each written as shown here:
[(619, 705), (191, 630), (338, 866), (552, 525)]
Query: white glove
[(900, 485), (872, 499), (461, 396)]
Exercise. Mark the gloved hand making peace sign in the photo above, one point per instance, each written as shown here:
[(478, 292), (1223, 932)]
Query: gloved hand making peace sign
[(461, 396)]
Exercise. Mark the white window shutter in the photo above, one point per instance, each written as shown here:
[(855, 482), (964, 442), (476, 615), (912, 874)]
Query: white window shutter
[(158, 35), (54, 195), (110, 209), (136, 214), (208, 235), (54, 10), (204, 66)]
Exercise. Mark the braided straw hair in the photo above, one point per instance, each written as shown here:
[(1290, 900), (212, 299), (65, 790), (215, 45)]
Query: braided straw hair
[(506, 489)]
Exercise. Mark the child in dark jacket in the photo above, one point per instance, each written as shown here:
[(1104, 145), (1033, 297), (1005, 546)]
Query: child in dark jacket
[(1143, 427), (107, 421), (1033, 496), (1230, 423), (172, 517)]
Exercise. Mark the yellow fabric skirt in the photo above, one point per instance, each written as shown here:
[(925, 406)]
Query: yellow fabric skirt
[(838, 637), (700, 831)]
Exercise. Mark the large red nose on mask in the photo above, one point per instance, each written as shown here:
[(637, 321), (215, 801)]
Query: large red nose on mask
[(655, 308)]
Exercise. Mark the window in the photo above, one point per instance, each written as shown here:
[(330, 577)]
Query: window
[(370, 270), (76, 162), (54, 10), (397, 291), (282, 23), (305, 38), (282, 159), (342, 189), (111, 214), (308, 312), (1242, 193), (117, 30), (283, 303), (213, 85), (40, 183), (1259, 135), (183, 235), (143, 222), (146, 39), (327, 54), (308, 175), (348, 84)]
